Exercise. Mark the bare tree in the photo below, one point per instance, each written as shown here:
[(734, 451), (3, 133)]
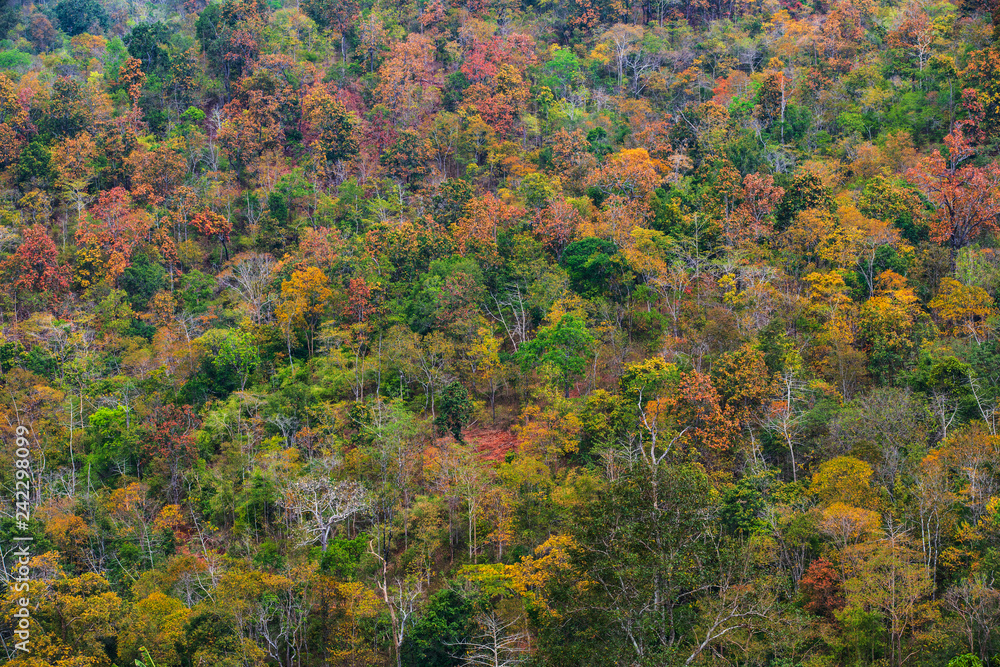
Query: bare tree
[(424, 360), (249, 275), (623, 40), (496, 644), (401, 597), (977, 604), (511, 311), (785, 418), (321, 504)]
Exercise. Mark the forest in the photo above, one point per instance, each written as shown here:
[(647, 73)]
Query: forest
[(483, 333)]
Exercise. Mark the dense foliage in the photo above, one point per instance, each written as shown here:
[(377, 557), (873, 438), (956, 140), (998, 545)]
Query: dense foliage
[(497, 332)]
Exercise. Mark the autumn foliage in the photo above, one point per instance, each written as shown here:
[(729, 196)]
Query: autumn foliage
[(483, 332)]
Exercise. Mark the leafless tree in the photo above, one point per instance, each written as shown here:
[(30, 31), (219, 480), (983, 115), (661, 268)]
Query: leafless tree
[(785, 418), (321, 504), (249, 275), (511, 311), (496, 644), (977, 604), (401, 596)]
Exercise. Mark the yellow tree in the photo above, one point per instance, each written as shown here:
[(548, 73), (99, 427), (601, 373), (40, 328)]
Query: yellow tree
[(14, 122), (87, 612), (304, 301), (835, 354), (847, 525), (155, 623), (356, 604), (550, 428), (887, 577), (486, 363), (886, 324), (630, 172), (963, 309), (497, 509), (856, 242), (844, 480)]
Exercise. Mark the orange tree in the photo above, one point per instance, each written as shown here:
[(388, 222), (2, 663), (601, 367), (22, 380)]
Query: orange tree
[(967, 199)]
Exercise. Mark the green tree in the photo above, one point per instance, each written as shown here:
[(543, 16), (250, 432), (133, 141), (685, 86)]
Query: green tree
[(446, 622), (454, 409), (567, 346), (77, 16), (805, 192), (114, 445), (637, 543), (239, 354), (589, 263)]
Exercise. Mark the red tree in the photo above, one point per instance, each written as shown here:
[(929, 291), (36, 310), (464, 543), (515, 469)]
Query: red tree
[(35, 266), (116, 228), (821, 588), (168, 447), (967, 198)]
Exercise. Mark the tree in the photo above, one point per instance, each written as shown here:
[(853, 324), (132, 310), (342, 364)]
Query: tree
[(821, 586), (425, 360), (133, 513), (35, 266), (888, 326), (42, 34), (915, 33), (229, 33), (966, 198), (555, 226), (566, 345), (145, 43), (888, 428), (305, 298), (844, 479), (977, 604), (78, 16), (445, 623), (83, 611), (330, 129), (550, 428), (454, 409), (496, 643), (630, 583), (156, 624), (886, 576), (238, 353), (751, 218), (117, 230), (14, 122), (211, 224), (322, 504), (249, 275), (68, 112), (408, 87), (487, 365), (168, 446), (805, 192), (744, 384), (478, 229), (630, 173), (624, 42), (895, 202), (339, 15), (963, 309), (250, 126)]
